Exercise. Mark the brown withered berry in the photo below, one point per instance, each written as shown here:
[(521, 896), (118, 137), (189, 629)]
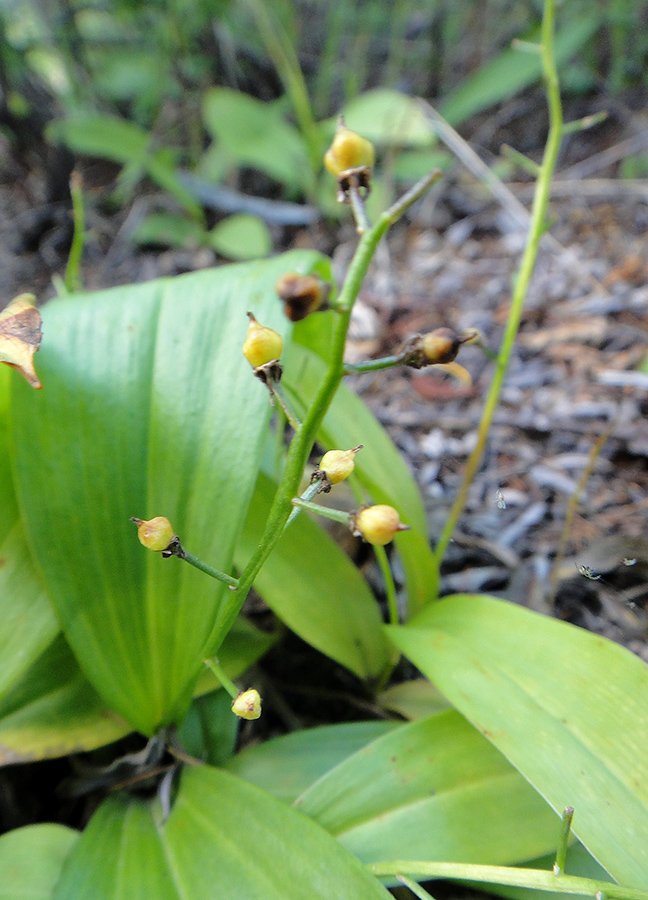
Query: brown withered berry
[(302, 294)]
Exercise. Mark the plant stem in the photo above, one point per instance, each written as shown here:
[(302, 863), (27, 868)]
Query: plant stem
[(277, 393), (337, 515), (359, 209), (373, 365), (561, 852), (304, 437), (225, 682), (538, 879), (390, 587), (536, 231), (71, 278), (207, 569), (415, 888), (311, 491)]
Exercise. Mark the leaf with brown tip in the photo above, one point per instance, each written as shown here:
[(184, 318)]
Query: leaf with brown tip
[(20, 336)]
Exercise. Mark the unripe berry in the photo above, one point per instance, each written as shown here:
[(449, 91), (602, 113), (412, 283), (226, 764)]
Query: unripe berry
[(262, 344), (154, 534), (348, 151), (338, 464), (247, 705), (378, 524), (301, 294)]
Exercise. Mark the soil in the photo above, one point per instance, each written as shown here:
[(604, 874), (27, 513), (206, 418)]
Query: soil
[(569, 442)]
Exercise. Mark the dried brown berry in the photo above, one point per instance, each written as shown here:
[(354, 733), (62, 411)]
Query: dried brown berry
[(438, 346), (302, 294)]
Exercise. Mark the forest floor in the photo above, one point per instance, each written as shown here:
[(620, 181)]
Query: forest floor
[(574, 401)]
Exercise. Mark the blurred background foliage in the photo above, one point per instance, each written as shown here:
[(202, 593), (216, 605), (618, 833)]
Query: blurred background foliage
[(200, 93)]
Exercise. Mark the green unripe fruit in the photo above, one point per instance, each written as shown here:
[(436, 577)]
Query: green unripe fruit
[(378, 524), (348, 151), (338, 464), (262, 344), (155, 534)]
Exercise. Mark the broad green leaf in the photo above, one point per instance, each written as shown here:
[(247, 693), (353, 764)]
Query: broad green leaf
[(568, 708), (389, 118), (286, 766), (436, 790), (31, 859), (256, 134), (148, 408), (413, 699), (223, 838), (242, 236), (210, 728), (380, 467), (512, 70), (28, 621), (53, 710), (316, 590)]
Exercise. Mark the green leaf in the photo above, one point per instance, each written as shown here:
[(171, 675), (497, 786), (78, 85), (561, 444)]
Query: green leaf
[(568, 708), (380, 468), (256, 134), (396, 798), (28, 621), (210, 729), (123, 142), (53, 710), (169, 229), (286, 766), (389, 118), (31, 859), (413, 699), (148, 408), (324, 598), (242, 236), (512, 70), (224, 838)]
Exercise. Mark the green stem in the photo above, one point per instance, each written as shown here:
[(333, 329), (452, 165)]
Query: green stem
[(311, 491), (72, 278), (536, 232), (304, 437), (390, 587), (415, 888), (359, 209), (220, 676), (538, 879), (561, 852), (373, 365), (277, 393), (337, 515), (207, 569)]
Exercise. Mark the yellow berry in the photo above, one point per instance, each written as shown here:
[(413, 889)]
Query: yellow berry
[(247, 705), (154, 534), (262, 344), (348, 151), (378, 524), (338, 464)]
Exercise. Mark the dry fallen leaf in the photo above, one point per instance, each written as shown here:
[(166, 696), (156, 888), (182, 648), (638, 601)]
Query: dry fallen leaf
[(20, 336)]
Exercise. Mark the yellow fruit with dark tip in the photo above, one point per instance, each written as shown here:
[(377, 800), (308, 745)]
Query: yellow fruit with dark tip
[(440, 345), (378, 524), (247, 705), (338, 464), (154, 534), (262, 344), (348, 150)]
